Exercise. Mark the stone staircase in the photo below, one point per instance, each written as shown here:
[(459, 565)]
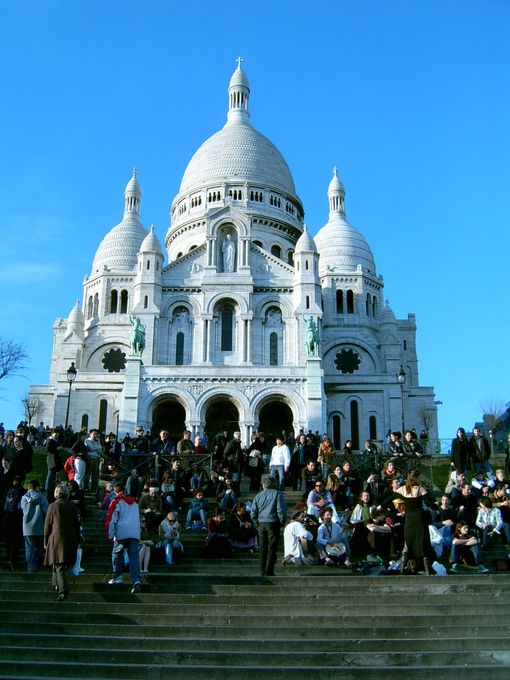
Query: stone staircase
[(206, 618)]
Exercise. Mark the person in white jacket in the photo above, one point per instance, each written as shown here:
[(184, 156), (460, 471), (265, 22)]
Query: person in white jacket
[(294, 536), (279, 462)]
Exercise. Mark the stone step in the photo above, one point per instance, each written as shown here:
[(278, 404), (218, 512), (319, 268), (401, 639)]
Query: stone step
[(10, 670), (71, 612), (159, 595), (241, 658), (161, 644), (299, 582), (118, 629)]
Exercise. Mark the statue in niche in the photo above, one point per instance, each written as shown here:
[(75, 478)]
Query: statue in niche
[(273, 317), (181, 317), (229, 254)]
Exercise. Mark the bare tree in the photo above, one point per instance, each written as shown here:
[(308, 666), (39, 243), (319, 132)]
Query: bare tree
[(30, 407), (12, 358), (493, 411), (427, 418)]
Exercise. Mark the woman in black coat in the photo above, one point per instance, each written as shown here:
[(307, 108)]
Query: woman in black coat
[(61, 539)]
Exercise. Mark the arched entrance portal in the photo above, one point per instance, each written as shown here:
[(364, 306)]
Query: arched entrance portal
[(221, 415), (170, 415), (276, 416)]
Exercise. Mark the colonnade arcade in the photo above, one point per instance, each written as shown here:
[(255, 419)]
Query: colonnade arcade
[(272, 415)]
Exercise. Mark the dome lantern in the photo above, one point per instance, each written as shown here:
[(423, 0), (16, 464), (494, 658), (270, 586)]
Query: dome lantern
[(336, 196), (238, 97)]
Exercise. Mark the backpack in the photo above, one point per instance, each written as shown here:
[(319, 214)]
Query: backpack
[(12, 500)]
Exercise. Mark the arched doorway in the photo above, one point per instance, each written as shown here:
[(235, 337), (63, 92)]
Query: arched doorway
[(170, 415), (221, 414), (275, 417)]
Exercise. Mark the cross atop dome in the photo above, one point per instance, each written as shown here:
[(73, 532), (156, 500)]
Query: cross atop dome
[(239, 60)]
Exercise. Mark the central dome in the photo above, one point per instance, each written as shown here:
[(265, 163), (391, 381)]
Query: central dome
[(238, 151)]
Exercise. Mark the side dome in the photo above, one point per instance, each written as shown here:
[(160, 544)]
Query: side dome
[(340, 245), (119, 248)]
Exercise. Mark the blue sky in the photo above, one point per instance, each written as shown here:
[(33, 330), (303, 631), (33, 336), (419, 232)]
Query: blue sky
[(410, 99)]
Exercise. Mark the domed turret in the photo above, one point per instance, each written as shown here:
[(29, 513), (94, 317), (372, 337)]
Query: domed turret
[(341, 246), (75, 322), (151, 243), (388, 315), (119, 248), (305, 243)]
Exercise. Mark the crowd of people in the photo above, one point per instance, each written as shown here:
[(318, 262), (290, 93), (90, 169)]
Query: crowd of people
[(153, 490)]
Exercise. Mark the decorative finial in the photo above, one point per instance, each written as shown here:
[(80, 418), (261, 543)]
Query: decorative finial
[(239, 60), (152, 228), (305, 228), (334, 170), (134, 173)]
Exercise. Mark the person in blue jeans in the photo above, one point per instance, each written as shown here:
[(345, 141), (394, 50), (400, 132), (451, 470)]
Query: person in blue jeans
[(34, 506), (123, 527), (226, 495), (465, 545), (197, 510)]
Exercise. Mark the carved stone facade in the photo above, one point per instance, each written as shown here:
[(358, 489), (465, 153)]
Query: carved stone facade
[(226, 318)]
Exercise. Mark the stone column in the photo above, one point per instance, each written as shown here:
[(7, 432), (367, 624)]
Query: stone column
[(128, 412)]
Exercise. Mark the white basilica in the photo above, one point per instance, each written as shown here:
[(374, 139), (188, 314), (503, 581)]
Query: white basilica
[(228, 320)]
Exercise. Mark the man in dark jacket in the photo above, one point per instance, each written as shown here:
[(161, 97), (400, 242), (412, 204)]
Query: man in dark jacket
[(53, 462), (480, 452), (268, 513)]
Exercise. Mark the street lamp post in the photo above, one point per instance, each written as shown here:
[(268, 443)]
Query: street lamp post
[(401, 379), (71, 377)]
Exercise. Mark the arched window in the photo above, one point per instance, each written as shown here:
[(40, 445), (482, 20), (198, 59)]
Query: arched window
[(290, 257), (337, 433), (276, 251), (90, 307), (350, 302), (148, 265), (258, 243), (374, 307), (103, 412), (227, 329), (307, 302), (124, 302), (354, 425), (84, 422), (273, 349), (368, 305), (145, 301), (114, 296), (372, 428), (306, 265), (95, 311), (339, 301), (179, 349)]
